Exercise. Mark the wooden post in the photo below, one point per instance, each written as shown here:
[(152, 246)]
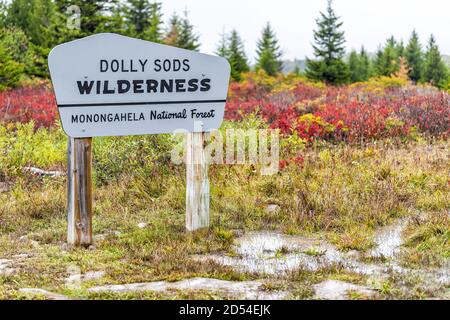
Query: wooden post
[(79, 198), (197, 183)]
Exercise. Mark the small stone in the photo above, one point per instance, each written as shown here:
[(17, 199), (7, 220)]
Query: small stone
[(92, 247), (339, 290), (142, 225), (272, 208)]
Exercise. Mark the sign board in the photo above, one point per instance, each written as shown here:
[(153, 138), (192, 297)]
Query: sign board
[(112, 85)]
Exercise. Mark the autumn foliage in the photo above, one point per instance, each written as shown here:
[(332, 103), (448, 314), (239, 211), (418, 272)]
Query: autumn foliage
[(377, 109)]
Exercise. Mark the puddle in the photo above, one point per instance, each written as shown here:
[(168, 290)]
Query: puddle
[(388, 240), (273, 253), (250, 290)]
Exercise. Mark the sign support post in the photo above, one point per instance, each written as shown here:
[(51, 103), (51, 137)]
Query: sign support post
[(197, 183), (79, 179)]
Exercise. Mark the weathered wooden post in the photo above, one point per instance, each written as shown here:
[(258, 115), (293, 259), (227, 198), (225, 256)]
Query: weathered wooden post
[(197, 183), (79, 198)]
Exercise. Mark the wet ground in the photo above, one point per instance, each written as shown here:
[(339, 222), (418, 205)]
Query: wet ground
[(272, 256)]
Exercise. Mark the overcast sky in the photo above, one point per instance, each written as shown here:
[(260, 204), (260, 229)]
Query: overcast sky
[(366, 22)]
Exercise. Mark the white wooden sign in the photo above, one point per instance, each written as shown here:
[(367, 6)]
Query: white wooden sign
[(112, 85)]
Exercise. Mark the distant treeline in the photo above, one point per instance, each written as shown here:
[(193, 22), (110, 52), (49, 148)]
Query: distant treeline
[(30, 28)]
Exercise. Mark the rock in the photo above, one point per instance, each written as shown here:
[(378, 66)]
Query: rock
[(43, 173), (49, 295), (5, 268), (78, 278), (272, 208), (142, 225), (4, 187), (339, 290), (238, 289)]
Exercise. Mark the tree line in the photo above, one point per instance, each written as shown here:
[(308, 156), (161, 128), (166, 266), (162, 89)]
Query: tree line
[(30, 28)]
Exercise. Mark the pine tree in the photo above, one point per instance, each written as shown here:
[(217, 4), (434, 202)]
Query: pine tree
[(329, 50), (268, 52), (236, 56), (414, 57), (435, 71), (154, 30)]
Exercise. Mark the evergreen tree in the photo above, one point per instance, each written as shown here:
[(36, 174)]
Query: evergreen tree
[(268, 52), (137, 14), (181, 33), (188, 38), (414, 58), (236, 56), (387, 62), (329, 50), (10, 70), (222, 48), (354, 66), (173, 34), (365, 65), (154, 29), (435, 71), (94, 14)]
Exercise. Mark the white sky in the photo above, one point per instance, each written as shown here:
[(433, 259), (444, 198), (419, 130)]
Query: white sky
[(368, 22)]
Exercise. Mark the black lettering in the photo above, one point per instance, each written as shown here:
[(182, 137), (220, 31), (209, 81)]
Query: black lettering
[(123, 86), (176, 65), (114, 65), (193, 85), (166, 65), (74, 118), (152, 86), (166, 85), (123, 66), (205, 84), (179, 85), (131, 67), (103, 65), (143, 63), (158, 65), (186, 66), (85, 87), (99, 85), (137, 86), (106, 90)]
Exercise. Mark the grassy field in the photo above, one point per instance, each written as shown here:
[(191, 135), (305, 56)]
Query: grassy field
[(339, 193)]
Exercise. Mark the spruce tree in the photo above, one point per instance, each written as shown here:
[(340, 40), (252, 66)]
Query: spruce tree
[(236, 56), (365, 65), (188, 38), (354, 66), (222, 48), (329, 50), (137, 14), (268, 52), (154, 29), (181, 33), (388, 60), (414, 57), (435, 71), (173, 33)]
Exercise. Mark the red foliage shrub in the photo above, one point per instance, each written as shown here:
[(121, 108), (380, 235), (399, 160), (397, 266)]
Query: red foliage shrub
[(29, 103)]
